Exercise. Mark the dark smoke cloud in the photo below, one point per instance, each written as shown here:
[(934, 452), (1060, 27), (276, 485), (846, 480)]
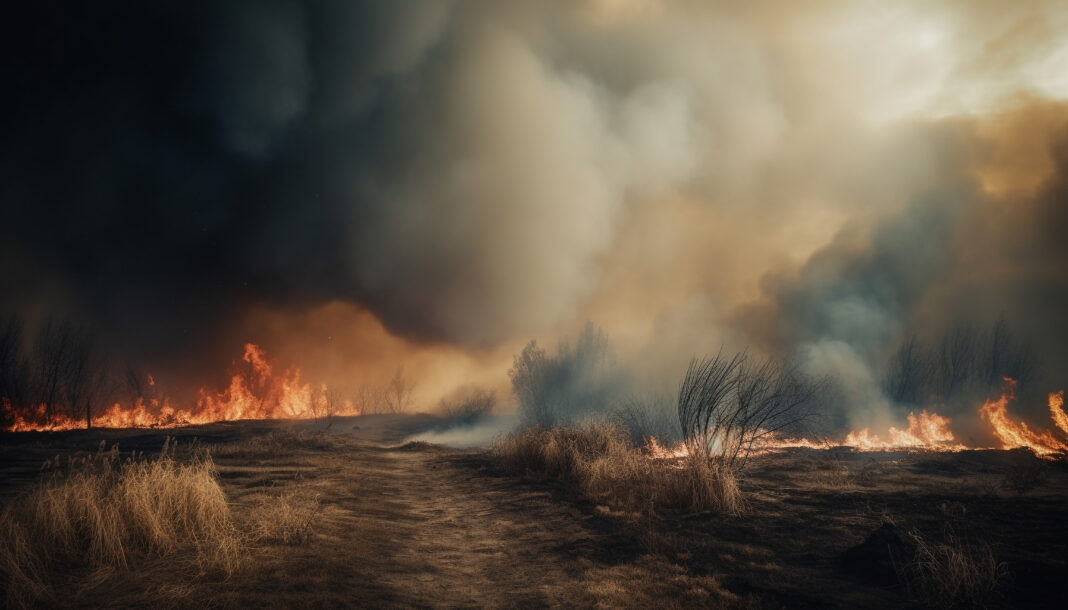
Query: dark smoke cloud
[(955, 256), (475, 174)]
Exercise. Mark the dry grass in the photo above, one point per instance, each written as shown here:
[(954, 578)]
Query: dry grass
[(953, 571), (600, 462), (284, 519), (102, 515)]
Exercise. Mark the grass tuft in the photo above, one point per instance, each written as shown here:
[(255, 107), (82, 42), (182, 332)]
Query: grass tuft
[(104, 514), (953, 571)]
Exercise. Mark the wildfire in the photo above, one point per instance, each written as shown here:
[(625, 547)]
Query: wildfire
[(925, 431), (928, 431), (1014, 433), (256, 393)]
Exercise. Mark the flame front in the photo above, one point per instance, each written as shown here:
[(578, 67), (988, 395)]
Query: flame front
[(256, 393), (1013, 434), (925, 431)]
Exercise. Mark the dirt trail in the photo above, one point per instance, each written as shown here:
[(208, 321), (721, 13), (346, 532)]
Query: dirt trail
[(424, 526)]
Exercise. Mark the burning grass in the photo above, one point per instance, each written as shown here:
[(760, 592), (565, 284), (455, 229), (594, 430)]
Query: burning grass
[(601, 462), (104, 514)]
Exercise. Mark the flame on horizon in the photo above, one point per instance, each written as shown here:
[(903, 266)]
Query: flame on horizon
[(258, 393), (927, 432)]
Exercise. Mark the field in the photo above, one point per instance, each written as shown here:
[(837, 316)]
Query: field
[(348, 512)]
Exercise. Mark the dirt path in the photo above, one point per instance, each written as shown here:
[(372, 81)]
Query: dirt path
[(422, 526)]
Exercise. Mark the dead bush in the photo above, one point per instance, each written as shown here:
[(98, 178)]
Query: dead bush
[(469, 405), (727, 405)]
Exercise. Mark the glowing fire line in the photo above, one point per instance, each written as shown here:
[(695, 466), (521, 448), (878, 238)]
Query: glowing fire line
[(926, 431), (260, 394)]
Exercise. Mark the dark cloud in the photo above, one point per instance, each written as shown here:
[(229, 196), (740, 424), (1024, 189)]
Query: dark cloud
[(955, 257), (474, 174)]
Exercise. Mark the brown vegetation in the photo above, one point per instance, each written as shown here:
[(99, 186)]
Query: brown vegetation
[(102, 514), (599, 460), (358, 517), (952, 571)]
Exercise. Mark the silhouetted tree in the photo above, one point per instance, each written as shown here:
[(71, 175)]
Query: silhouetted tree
[(13, 365), (909, 373)]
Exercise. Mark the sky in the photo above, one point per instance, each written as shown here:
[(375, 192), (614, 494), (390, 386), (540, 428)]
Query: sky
[(431, 184)]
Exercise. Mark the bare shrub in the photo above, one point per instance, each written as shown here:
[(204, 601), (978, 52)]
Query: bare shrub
[(647, 418), (953, 571), (105, 514), (559, 388), (965, 363), (727, 405), (395, 396), (469, 405)]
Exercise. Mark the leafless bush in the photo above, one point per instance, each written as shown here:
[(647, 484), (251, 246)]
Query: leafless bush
[(395, 396), (64, 372), (559, 388), (105, 514), (909, 373), (726, 405), (469, 405), (13, 366), (647, 418), (965, 362)]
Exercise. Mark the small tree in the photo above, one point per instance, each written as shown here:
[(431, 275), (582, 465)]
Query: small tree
[(957, 356), (530, 377), (399, 392), (13, 365), (86, 376), (908, 373), (469, 405)]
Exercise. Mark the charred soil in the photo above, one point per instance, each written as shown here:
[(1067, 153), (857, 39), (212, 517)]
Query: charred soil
[(346, 513)]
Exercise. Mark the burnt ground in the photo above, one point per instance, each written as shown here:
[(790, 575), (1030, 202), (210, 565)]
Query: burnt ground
[(395, 524)]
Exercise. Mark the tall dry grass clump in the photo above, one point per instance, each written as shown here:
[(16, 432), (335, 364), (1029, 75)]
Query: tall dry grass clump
[(953, 571), (600, 462), (695, 484), (104, 514)]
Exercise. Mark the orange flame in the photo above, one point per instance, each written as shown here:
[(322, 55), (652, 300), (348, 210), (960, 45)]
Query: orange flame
[(925, 431), (256, 394), (1013, 434)]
